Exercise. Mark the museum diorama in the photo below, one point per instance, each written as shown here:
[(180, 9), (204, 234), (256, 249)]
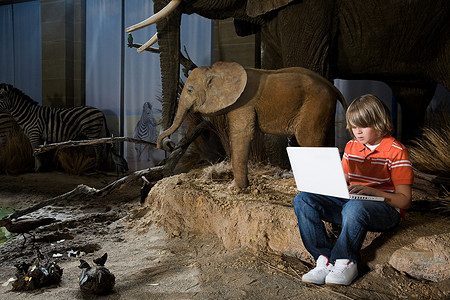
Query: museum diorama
[(147, 149)]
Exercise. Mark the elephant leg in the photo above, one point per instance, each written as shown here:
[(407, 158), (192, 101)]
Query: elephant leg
[(330, 135), (241, 126), (315, 121), (275, 146), (414, 102), (288, 40), (271, 54)]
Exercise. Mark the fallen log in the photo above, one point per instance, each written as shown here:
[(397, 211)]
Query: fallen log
[(166, 168)]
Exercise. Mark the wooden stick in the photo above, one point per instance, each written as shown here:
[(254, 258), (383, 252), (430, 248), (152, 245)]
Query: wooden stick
[(66, 144)]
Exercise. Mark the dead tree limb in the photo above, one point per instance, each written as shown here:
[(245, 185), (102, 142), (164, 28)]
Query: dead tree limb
[(166, 168), (48, 147)]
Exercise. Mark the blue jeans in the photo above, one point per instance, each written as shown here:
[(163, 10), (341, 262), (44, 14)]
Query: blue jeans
[(356, 217)]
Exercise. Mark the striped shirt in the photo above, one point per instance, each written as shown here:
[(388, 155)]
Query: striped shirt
[(383, 168)]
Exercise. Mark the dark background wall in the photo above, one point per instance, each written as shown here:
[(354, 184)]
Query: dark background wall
[(63, 52), (228, 46)]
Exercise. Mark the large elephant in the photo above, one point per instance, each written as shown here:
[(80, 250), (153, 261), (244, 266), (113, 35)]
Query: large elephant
[(291, 101), (402, 43)]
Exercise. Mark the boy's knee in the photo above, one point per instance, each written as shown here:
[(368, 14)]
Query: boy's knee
[(358, 206), (300, 201), (356, 210), (303, 197)]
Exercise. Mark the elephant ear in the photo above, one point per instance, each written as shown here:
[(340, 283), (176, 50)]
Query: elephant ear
[(257, 7), (225, 82)]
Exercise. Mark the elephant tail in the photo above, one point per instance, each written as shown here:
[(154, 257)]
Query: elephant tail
[(341, 98)]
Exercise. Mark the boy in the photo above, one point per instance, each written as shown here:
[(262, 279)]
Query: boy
[(374, 164)]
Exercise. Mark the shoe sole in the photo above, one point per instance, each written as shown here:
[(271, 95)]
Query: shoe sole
[(332, 283), (335, 283), (312, 282)]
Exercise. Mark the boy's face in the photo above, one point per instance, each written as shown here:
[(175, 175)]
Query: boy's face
[(367, 135)]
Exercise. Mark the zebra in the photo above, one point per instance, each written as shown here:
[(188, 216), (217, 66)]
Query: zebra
[(42, 124), (146, 130), (7, 126)]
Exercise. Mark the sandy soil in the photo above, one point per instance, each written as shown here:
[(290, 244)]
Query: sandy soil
[(150, 262)]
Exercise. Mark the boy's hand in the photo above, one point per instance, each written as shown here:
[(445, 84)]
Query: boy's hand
[(360, 189), (400, 198)]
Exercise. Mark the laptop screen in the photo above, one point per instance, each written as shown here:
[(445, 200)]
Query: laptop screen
[(318, 170)]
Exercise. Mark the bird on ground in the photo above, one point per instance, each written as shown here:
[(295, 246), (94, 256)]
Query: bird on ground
[(101, 260), (36, 275), (96, 280), (23, 226)]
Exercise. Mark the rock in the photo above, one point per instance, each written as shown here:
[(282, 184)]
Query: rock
[(428, 258)]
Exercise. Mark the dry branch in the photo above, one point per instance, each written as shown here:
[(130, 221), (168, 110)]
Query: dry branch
[(151, 174), (67, 144)]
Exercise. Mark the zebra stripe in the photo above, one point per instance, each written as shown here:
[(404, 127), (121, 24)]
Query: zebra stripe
[(145, 130), (51, 125)]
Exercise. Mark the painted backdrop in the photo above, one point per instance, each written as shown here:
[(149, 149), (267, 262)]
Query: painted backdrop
[(125, 84), (20, 47)]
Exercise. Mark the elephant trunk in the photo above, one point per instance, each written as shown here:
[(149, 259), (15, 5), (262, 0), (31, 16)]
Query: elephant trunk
[(181, 113), (169, 45)]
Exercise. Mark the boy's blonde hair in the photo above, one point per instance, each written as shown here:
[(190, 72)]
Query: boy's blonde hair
[(369, 111)]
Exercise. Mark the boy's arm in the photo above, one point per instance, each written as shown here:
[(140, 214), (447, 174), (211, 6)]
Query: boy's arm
[(400, 198)]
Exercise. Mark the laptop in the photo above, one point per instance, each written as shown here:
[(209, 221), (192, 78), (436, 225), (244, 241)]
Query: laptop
[(319, 170)]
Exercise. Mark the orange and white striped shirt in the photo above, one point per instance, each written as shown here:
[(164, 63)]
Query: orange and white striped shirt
[(383, 168)]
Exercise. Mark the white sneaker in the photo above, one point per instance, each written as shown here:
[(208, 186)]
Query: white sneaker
[(318, 274), (344, 272)]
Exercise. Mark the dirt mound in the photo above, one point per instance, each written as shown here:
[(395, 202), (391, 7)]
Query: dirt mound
[(259, 217)]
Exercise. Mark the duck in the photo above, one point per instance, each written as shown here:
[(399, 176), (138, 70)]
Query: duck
[(36, 275), (97, 280)]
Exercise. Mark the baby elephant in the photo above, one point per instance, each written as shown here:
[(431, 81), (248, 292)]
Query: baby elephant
[(291, 101)]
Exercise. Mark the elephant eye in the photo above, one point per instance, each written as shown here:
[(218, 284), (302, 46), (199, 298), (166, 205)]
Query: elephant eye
[(190, 89), (210, 80)]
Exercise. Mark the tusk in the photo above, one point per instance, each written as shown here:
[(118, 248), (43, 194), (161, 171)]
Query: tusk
[(156, 17), (150, 42)]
